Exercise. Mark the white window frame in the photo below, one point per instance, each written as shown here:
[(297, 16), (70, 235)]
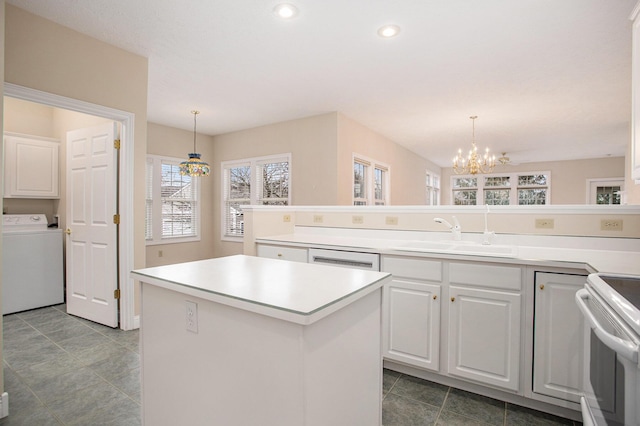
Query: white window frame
[(370, 168), (255, 191), (432, 181), (155, 163), (593, 184), (513, 188)]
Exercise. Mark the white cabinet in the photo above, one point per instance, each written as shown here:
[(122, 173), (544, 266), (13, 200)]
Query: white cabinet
[(295, 254), (411, 312), (557, 358), (485, 323), (30, 167)]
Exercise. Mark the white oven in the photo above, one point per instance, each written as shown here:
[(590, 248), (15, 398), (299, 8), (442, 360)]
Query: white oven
[(611, 370)]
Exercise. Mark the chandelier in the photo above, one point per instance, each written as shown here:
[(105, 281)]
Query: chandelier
[(194, 166), (473, 163)]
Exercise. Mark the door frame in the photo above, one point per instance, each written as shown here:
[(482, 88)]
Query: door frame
[(125, 198)]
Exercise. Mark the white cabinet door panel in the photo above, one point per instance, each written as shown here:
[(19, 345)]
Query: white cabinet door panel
[(484, 336), (412, 323)]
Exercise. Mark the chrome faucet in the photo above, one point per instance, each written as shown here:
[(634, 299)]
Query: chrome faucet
[(487, 236), (456, 230)]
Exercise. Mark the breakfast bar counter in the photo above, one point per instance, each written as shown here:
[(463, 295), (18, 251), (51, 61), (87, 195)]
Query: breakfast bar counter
[(243, 340)]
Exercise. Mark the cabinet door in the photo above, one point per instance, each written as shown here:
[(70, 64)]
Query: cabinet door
[(295, 254), (557, 352), (31, 168), (411, 323), (484, 336)]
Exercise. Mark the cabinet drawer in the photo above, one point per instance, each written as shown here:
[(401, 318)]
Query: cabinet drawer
[(430, 270), (295, 254), (486, 275)]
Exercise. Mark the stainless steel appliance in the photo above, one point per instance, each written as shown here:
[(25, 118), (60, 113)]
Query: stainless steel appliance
[(611, 307)]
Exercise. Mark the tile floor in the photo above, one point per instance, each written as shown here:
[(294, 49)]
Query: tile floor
[(63, 370), (410, 401)]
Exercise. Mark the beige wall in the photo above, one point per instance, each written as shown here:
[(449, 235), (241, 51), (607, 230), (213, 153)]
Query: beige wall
[(312, 144), (407, 168), (568, 178), (171, 142)]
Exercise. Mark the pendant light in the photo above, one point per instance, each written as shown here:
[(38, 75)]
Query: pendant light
[(194, 166)]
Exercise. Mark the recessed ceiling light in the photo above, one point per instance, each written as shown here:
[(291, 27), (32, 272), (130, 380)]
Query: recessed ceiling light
[(388, 31), (285, 11)]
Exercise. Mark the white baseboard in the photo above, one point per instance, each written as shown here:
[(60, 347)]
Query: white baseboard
[(136, 322), (4, 405)]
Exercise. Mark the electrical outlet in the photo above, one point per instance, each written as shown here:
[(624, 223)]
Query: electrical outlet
[(544, 223), (611, 225), (317, 218), (160, 253), (286, 218), (191, 316), (358, 220), (391, 220)]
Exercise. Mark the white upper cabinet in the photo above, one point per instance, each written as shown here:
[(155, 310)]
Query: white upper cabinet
[(31, 167)]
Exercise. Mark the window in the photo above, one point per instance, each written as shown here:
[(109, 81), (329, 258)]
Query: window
[(370, 182), (172, 203), (262, 181), (605, 191), (501, 189), (433, 188)]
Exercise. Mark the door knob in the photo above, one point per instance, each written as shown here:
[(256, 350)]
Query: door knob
[(453, 299), (541, 286), (67, 231)]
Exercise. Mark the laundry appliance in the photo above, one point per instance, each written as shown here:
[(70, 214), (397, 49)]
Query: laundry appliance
[(32, 265)]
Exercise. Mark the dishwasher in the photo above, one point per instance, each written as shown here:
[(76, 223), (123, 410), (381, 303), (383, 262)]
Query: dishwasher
[(345, 259)]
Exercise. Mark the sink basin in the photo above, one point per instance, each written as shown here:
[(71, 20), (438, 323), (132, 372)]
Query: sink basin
[(458, 247)]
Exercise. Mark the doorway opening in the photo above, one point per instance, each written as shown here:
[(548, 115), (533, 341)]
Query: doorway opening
[(125, 245)]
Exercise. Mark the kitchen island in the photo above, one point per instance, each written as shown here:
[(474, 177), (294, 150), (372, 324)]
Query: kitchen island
[(242, 340)]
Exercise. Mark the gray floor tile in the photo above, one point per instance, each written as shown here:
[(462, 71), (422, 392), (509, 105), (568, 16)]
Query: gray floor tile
[(447, 418), (106, 350), (32, 351), (517, 415), (79, 344), (484, 409), (44, 371), (129, 383), (420, 390), (389, 378), (56, 387), (116, 364), (39, 416), (125, 413), (82, 406), (399, 411)]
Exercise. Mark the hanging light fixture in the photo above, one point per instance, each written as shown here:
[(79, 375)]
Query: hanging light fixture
[(194, 166), (473, 163)]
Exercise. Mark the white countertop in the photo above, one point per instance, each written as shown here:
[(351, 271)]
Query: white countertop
[(296, 292), (592, 254)]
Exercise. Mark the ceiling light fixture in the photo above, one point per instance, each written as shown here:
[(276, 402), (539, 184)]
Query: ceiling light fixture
[(285, 11), (194, 166), (473, 164), (388, 31)]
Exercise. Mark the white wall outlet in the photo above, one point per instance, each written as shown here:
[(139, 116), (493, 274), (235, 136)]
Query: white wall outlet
[(317, 218), (391, 220), (357, 220), (544, 223), (191, 316), (611, 225), (286, 218), (160, 253)]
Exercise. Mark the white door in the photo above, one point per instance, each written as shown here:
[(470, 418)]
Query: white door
[(91, 249)]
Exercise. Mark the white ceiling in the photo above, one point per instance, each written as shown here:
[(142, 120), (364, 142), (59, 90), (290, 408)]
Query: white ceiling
[(548, 79)]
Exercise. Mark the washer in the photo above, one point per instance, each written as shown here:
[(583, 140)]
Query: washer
[(32, 268)]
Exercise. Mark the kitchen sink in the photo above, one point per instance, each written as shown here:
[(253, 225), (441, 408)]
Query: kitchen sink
[(458, 247)]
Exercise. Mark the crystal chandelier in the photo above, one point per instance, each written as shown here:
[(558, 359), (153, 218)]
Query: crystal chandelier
[(194, 166), (473, 163)]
